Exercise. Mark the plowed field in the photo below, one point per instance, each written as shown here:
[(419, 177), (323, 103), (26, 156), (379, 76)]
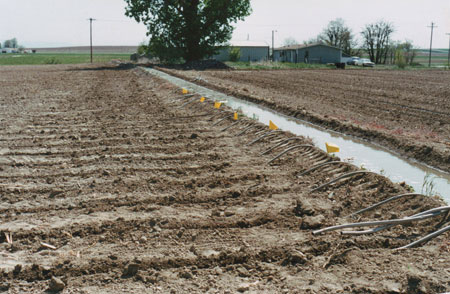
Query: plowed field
[(110, 183), (406, 111)]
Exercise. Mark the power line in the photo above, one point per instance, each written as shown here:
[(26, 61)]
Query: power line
[(431, 41), (273, 46), (448, 60), (90, 22)]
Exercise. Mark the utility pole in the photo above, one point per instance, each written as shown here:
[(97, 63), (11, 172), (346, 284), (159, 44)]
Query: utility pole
[(90, 20), (273, 44), (431, 42), (448, 60)]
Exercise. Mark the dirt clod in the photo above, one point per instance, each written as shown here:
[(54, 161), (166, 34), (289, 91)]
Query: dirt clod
[(304, 207), (186, 275), (17, 269), (130, 270), (55, 193), (243, 288), (56, 285), (313, 222)]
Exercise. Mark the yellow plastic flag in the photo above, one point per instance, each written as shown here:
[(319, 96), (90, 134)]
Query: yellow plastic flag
[(202, 99), (217, 104), (185, 91), (332, 148), (272, 126), (235, 116)]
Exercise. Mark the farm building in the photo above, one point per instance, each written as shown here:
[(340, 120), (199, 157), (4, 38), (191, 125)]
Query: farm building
[(315, 53), (249, 51)]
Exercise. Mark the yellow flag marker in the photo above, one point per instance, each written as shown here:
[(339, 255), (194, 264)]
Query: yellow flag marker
[(235, 116), (272, 126), (185, 91), (202, 99), (217, 104), (331, 148)]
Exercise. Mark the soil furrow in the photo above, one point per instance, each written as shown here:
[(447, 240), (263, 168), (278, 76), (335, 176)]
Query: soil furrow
[(134, 197)]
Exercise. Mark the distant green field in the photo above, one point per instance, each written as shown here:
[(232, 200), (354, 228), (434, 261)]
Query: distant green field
[(435, 60), (57, 58), (434, 51)]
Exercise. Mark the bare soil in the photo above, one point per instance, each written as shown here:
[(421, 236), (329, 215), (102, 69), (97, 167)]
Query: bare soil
[(108, 185), (405, 111)]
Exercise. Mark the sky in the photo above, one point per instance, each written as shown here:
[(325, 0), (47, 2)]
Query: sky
[(57, 23)]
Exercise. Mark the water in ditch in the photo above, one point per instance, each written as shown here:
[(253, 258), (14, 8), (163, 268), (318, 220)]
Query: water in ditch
[(359, 152)]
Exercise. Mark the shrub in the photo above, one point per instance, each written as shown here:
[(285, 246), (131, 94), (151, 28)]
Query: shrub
[(52, 60), (235, 54), (400, 59), (416, 64), (142, 48)]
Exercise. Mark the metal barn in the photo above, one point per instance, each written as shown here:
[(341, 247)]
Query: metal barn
[(315, 53), (249, 51)]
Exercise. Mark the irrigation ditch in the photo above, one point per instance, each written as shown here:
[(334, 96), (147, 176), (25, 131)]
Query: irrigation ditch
[(318, 159), (366, 155)]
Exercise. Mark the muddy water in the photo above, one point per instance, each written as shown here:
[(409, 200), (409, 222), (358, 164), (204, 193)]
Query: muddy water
[(359, 152)]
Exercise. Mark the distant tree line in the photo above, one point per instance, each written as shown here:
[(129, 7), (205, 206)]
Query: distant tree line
[(188, 31), (376, 42)]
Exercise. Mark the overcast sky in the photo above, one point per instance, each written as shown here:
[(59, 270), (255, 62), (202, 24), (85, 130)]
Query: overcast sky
[(42, 23)]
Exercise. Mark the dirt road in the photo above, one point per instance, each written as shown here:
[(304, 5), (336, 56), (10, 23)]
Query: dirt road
[(406, 111), (110, 186)]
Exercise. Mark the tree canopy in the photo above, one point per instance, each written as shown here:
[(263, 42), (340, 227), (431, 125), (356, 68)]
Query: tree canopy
[(11, 43), (188, 29), (376, 38), (337, 34)]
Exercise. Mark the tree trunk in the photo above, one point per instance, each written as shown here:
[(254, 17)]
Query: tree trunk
[(192, 33)]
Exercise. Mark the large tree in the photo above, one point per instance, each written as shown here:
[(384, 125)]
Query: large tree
[(188, 29), (11, 43), (376, 39), (337, 34)]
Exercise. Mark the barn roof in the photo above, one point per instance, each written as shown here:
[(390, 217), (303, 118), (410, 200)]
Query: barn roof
[(299, 46), (248, 44)]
